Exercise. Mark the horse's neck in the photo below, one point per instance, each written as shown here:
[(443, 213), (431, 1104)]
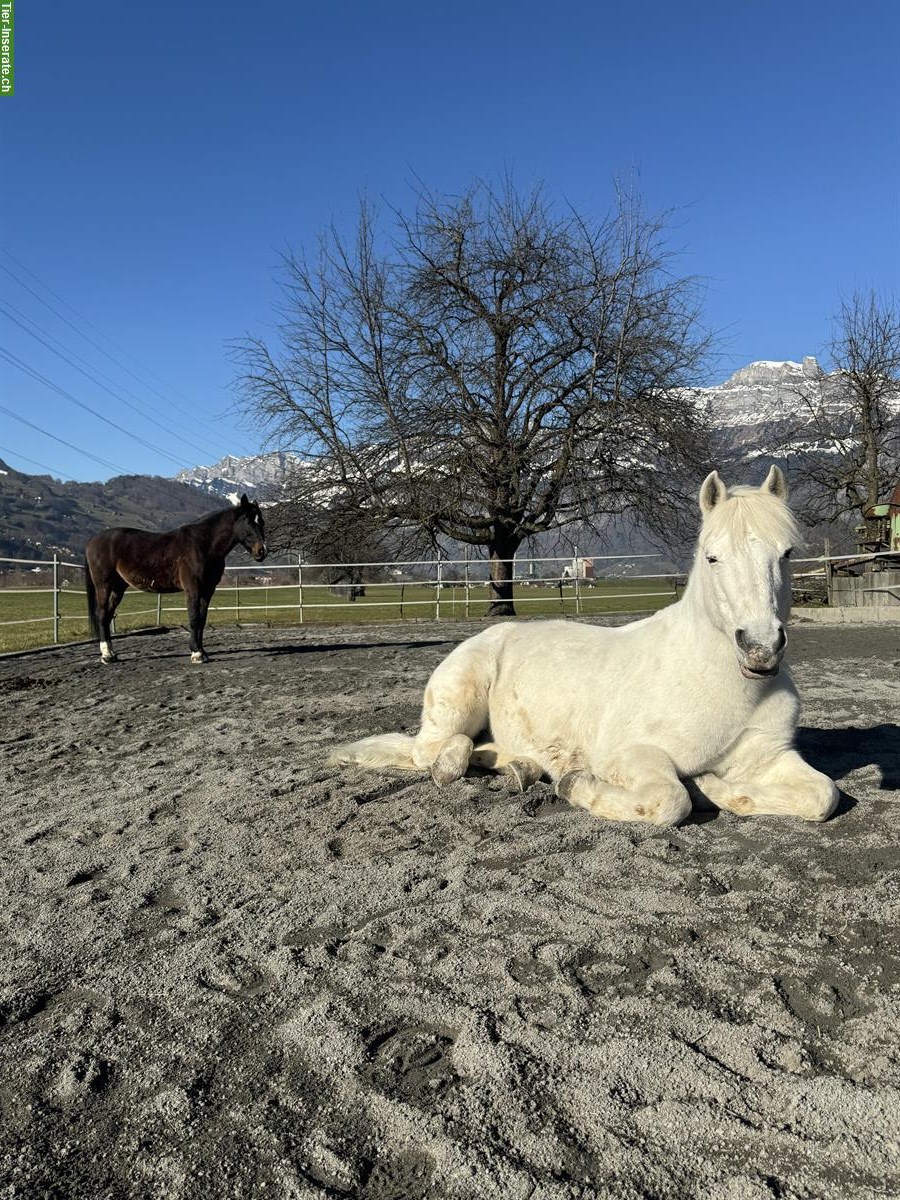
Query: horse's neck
[(221, 537), (690, 616)]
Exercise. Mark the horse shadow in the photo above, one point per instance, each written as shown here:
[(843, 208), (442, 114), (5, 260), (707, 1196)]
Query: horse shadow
[(276, 651), (837, 752), (326, 647)]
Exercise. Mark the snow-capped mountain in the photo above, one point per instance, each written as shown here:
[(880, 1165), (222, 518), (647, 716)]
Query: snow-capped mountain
[(779, 411), (261, 476), (763, 392)]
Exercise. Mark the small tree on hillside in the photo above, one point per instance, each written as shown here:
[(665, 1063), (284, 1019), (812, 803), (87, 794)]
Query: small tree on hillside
[(498, 371), (854, 414)]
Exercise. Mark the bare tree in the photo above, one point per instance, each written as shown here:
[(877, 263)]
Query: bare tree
[(498, 371), (852, 417)]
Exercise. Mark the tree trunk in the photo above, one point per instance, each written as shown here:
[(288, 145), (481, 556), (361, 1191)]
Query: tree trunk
[(501, 554), (871, 479)]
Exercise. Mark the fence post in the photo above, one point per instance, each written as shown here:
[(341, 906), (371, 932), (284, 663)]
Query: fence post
[(159, 608), (437, 591), (300, 584), (467, 581), (577, 588), (55, 598), (402, 590), (829, 572)]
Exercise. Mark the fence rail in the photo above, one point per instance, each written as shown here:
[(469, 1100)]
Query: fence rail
[(455, 587)]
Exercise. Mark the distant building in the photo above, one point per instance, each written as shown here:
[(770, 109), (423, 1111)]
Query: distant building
[(579, 568)]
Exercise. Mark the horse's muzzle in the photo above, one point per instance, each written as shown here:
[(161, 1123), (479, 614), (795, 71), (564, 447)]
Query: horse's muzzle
[(758, 661), (259, 552)]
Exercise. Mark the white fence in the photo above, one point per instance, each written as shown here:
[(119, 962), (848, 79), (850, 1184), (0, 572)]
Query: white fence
[(446, 587)]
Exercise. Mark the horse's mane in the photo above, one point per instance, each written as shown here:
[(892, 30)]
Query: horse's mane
[(214, 516), (750, 511)]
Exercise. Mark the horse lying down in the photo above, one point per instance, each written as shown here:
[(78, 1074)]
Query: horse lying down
[(631, 722)]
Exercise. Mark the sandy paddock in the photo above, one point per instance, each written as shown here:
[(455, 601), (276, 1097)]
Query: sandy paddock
[(228, 971)]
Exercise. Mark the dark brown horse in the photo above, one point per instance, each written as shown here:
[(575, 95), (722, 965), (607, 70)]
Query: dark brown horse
[(190, 559)]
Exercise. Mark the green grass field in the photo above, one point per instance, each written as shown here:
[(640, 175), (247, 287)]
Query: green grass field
[(280, 606)]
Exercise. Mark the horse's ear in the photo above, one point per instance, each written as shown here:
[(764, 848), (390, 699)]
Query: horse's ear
[(776, 483), (244, 502), (712, 492)]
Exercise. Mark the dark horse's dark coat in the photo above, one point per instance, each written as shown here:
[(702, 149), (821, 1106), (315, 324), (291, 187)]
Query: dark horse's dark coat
[(190, 559)]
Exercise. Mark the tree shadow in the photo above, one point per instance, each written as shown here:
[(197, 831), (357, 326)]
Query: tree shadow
[(837, 752)]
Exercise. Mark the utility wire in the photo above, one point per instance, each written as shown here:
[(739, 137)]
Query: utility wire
[(176, 408), (34, 462), (205, 451), (62, 441), (28, 370)]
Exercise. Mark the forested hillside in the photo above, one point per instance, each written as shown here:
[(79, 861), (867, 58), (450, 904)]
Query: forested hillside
[(40, 516)]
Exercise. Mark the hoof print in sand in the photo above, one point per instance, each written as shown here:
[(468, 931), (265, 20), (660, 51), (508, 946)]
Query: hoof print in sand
[(530, 972), (406, 1177), (823, 1003), (236, 978), (546, 1011), (412, 1062), (327, 1167), (79, 1077), (599, 977)]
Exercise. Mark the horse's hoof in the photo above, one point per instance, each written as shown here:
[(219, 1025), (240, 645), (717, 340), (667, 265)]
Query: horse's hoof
[(197, 656), (106, 659), (452, 761), (444, 773), (521, 773)]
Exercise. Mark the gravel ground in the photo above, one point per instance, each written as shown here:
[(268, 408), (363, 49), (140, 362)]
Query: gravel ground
[(227, 970)]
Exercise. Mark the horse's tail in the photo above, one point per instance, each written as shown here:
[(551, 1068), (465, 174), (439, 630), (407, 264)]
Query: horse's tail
[(91, 598), (383, 750)]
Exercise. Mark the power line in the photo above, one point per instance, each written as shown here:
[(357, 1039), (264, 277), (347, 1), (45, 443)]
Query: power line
[(28, 370), (91, 325), (88, 375), (34, 462), (62, 441)]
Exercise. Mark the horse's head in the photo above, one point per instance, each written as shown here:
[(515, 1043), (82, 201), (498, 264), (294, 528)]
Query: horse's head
[(249, 529), (742, 557)]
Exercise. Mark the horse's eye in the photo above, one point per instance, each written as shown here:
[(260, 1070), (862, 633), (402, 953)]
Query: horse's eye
[(788, 552), (711, 558)]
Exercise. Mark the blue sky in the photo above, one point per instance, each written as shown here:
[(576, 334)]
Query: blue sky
[(156, 159)]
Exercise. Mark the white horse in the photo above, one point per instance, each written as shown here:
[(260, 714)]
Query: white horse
[(630, 722)]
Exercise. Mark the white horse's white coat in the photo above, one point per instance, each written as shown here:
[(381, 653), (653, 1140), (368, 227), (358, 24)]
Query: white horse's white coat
[(631, 722)]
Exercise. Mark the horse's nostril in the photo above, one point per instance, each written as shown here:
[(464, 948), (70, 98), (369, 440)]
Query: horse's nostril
[(740, 639), (782, 639)]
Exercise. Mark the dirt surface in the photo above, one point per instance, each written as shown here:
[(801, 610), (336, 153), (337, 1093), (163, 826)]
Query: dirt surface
[(229, 971)]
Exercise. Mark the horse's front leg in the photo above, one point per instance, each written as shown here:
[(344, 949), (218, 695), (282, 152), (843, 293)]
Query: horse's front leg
[(197, 606), (108, 599), (638, 783), (780, 785)]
